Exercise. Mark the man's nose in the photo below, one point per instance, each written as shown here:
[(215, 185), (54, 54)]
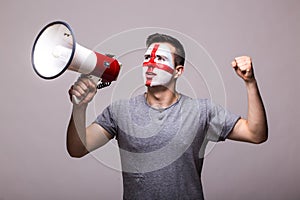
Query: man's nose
[(150, 68)]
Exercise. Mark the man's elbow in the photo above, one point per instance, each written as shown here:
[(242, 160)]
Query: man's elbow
[(260, 141), (76, 154), (260, 138)]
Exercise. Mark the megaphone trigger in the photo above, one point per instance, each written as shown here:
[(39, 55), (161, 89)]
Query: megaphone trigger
[(100, 83), (103, 85)]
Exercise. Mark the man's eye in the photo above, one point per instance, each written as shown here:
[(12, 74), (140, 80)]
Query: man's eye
[(146, 57), (160, 58)]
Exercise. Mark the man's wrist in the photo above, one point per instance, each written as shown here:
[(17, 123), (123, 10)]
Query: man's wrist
[(79, 107), (252, 86), (251, 82)]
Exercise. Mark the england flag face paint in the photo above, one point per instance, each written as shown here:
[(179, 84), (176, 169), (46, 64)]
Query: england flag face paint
[(158, 67)]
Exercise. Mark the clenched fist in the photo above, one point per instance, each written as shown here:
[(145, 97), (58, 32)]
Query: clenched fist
[(84, 89), (244, 68)]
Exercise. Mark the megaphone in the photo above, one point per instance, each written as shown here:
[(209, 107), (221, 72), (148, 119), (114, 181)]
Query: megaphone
[(55, 50)]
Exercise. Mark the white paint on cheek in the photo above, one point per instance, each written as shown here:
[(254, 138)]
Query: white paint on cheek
[(161, 78)]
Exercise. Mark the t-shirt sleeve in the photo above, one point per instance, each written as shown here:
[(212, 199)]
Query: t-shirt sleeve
[(107, 121), (220, 122)]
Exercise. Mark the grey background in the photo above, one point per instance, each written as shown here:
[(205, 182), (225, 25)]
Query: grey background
[(34, 163)]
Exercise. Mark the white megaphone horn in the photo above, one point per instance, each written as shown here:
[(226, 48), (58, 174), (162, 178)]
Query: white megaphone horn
[(55, 50)]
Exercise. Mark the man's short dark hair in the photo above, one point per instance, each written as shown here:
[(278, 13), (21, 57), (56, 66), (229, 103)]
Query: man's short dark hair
[(161, 38)]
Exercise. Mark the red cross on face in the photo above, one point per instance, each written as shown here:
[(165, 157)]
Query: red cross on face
[(161, 59), (158, 65)]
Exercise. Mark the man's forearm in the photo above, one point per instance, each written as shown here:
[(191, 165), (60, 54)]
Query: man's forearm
[(257, 120), (76, 133)]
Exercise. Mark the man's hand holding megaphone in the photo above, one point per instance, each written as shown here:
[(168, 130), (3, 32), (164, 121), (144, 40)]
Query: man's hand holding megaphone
[(83, 90)]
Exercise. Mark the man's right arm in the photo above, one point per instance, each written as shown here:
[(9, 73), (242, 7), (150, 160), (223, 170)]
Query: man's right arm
[(81, 139)]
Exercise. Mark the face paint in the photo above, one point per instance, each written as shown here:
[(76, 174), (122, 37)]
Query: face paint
[(157, 66)]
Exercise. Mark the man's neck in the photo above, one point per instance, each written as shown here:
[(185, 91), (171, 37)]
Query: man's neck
[(160, 97)]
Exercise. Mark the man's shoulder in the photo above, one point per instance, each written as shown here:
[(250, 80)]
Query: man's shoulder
[(189, 99)]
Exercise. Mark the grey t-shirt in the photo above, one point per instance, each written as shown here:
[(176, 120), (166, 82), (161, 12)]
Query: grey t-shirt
[(162, 150)]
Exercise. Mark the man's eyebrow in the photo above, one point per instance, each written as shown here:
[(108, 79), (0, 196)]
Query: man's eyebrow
[(165, 57)]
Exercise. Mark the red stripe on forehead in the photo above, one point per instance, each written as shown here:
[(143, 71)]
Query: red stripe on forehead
[(153, 52)]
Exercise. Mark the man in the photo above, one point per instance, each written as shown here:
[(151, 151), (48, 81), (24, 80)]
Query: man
[(161, 134)]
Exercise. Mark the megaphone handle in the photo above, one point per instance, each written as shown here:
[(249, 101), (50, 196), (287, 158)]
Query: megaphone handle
[(76, 100)]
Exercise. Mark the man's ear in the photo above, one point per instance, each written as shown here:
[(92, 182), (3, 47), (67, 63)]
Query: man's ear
[(179, 70)]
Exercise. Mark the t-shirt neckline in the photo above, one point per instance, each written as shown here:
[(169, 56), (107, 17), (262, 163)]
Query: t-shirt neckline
[(162, 109)]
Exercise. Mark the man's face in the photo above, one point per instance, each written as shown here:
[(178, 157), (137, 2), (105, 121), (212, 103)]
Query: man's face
[(158, 65)]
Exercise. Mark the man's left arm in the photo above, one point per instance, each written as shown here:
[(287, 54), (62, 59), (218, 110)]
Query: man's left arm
[(254, 129)]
